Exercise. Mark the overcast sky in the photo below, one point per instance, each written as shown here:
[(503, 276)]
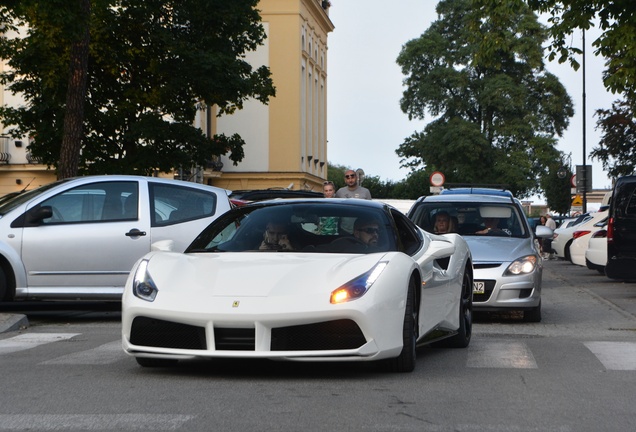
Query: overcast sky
[(365, 123)]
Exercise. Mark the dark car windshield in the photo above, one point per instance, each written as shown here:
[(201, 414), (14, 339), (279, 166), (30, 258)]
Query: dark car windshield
[(473, 218), (308, 227), (11, 203)]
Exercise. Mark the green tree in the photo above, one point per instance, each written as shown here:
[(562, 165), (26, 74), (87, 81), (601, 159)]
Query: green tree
[(557, 188), (335, 173), (150, 66), (415, 185), (479, 71), (616, 44), (617, 147)]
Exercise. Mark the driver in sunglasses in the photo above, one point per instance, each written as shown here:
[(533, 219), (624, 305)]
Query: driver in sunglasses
[(366, 235), (367, 232)]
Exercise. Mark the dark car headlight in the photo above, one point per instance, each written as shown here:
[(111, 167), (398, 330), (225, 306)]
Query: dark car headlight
[(524, 265), (143, 286), (357, 287)]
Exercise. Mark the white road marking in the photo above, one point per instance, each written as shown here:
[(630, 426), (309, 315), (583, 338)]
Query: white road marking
[(614, 355), (31, 340), (46, 422), (103, 354), (500, 354)]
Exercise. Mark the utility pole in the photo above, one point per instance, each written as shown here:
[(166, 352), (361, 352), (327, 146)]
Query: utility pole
[(584, 150)]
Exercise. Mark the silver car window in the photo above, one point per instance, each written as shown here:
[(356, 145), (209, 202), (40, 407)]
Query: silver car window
[(95, 202), (171, 204)]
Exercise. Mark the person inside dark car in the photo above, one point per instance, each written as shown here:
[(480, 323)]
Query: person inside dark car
[(275, 237)]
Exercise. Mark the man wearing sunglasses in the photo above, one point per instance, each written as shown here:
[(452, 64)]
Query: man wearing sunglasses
[(366, 234), (352, 188), (367, 231)]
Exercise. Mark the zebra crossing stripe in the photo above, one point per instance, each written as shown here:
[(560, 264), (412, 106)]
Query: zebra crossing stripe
[(614, 355), (85, 422), (500, 354), (103, 354), (31, 340)]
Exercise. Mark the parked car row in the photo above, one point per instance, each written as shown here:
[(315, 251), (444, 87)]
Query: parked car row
[(565, 237), (605, 241)]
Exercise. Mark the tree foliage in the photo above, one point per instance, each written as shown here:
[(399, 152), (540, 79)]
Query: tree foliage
[(151, 66), (479, 71), (557, 189), (616, 19), (617, 147)]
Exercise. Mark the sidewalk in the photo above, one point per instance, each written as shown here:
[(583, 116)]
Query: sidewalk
[(12, 322)]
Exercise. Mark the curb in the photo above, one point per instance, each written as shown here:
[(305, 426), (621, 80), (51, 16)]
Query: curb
[(12, 322)]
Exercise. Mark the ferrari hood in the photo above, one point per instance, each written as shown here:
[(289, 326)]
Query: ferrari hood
[(257, 274), (498, 249)]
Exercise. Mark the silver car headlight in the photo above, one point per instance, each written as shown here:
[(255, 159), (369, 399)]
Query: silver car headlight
[(357, 287), (143, 286), (524, 265)]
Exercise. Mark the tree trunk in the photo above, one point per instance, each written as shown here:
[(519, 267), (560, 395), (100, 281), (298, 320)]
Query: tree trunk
[(75, 97)]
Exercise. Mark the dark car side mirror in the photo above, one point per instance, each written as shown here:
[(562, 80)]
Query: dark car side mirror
[(36, 215), (33, 217)]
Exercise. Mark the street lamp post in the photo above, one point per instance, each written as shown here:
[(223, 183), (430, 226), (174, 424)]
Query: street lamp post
[(584, 123)]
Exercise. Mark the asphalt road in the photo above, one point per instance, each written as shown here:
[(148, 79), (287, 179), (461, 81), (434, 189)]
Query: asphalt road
[(573, 372)]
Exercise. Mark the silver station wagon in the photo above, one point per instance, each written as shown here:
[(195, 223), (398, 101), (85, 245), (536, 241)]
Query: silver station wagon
[(78, 238), (508, 265)]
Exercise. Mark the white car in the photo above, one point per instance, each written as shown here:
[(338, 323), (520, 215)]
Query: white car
[(580, 241), (563, 236), (78, 238), (596, 253), (305, 280)]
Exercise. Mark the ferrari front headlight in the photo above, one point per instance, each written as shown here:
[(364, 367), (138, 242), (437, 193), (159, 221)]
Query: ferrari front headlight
[(524, 265), (357, 287), (143, 286)]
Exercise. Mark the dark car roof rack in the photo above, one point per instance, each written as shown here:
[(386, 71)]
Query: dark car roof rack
[(478, 189), (503, 187)]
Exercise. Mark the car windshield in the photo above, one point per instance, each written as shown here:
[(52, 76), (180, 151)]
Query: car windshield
[(471, 218), (299, 227), (11, 203)]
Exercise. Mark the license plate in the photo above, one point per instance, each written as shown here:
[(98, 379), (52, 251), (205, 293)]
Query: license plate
[(479, 287)]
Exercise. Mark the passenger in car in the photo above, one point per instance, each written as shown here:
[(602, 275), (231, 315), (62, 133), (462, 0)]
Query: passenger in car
[(275, 237), (444, 224), (492, 228)]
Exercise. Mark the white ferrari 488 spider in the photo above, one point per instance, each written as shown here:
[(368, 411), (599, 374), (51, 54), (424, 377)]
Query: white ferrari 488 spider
[(304, 280)]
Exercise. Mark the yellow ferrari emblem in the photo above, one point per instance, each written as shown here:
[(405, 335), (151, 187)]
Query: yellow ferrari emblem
[(235, 303)]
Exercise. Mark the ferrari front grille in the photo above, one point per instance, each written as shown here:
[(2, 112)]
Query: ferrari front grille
[(235, 339), (153, 332), (330, 335)]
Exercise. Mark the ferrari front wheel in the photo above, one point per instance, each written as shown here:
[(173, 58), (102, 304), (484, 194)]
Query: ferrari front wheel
[(465, 330), (405, 362)]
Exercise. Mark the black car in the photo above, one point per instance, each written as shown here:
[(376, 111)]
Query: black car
[(621, 231)]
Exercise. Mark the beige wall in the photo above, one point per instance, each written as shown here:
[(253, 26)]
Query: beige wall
[(285, 150)]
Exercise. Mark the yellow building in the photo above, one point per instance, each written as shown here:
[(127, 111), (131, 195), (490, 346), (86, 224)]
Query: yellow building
[(286, 141)]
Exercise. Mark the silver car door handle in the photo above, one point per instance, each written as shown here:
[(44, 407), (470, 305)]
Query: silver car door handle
[(135, 233)]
